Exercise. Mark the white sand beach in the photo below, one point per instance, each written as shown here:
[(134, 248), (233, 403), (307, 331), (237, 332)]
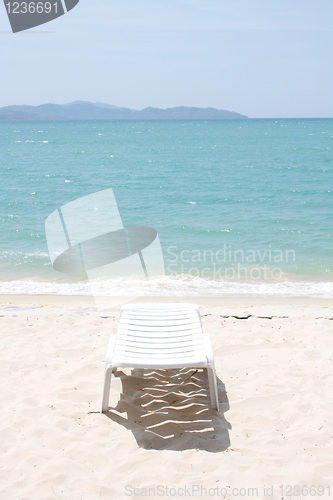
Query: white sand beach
[(272, 437)]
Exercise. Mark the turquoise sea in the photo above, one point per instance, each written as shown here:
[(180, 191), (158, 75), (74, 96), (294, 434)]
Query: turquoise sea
[(239, 206)]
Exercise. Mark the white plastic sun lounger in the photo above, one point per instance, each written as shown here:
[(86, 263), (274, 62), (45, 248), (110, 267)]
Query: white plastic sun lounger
[(159, 336)]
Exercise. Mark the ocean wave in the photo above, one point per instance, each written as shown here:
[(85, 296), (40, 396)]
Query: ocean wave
[(179, 286)]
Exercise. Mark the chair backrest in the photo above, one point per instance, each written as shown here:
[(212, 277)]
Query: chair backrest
[(157, 310)]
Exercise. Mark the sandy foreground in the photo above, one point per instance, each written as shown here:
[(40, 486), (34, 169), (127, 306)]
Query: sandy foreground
[(273, 436)]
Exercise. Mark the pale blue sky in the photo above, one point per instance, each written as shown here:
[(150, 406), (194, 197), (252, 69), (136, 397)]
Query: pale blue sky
[(262, 58)]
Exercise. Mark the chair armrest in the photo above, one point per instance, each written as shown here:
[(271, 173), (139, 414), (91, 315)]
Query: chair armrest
[(110, 351), (208, 350)]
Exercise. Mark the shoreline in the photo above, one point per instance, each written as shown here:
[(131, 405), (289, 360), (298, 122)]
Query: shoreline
[(170, 287), (78, 301)]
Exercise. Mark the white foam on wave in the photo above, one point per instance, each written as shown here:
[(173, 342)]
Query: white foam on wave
[(5, 254), (181, 285)]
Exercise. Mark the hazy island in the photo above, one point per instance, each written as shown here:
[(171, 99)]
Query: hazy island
[(82, 110)]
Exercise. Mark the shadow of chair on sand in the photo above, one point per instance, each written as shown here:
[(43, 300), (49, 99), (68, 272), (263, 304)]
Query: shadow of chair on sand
[(170, 409)]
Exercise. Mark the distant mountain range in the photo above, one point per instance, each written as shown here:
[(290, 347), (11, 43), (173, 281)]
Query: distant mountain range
[(84, 110)]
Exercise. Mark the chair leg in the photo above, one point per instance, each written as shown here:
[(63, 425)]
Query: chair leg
[(106, 389), (213, 387)]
